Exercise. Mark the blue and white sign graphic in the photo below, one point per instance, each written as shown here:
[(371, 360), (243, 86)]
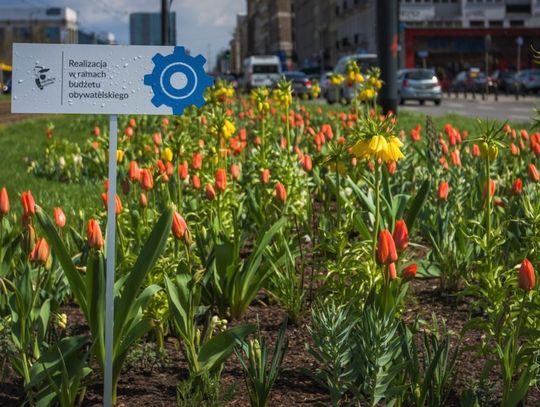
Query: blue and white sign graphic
[(106, 79)]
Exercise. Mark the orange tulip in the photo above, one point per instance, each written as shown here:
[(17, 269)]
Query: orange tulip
[(307, 164), (40, 252), (476, 150), (59, 217), (401, 235), (196, 161), (533, 173), (28, 203), (147, 180), (156, 138), (196, 181), (134, 171), (179, 226), (443, 191), (117, 201), (456, 159), (281, 192), (235, 171), (409, 272), (143, 200), (4, 202), (221, 180), (526, 276), (210, 192), (93, 235), (386, 248), (265, 176)]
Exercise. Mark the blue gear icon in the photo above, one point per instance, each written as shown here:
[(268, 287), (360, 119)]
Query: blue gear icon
[(188, 70)]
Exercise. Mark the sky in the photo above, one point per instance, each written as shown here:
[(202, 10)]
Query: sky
[(203, 26)]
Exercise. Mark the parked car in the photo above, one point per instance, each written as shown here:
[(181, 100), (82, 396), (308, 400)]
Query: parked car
[(528, 81), (472, 80), (261, 71), (344, 92), (419, 84), (504, 81), (301, 84)]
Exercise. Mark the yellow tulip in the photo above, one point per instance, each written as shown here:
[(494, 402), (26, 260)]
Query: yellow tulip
[(167, 154), (119, 156)]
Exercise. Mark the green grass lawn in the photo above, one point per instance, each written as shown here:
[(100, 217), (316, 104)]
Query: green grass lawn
[(26, 139)]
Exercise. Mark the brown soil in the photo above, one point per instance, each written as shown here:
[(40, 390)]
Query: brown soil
[(151, 381)]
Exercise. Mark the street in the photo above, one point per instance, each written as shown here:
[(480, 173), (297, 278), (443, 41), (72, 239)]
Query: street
[(506, 108)]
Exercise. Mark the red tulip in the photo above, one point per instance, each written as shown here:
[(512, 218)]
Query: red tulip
[(93, 235), (118, 203), (97, 131), (128, 132), (134, 171), (392, 273), (443, 191), (179, 226), (517, 186), (235, 171), (265, 176), (4, 202), (28, 203), (401, 235), (143, 200), (146, 180), (456, 159), (156, 138), (221, 180), (526, 276), (533, 173), (132, 122), (183, 171), (409, 272), (196, 161), (210, 192), (386, 248), (281, 192), (40, 252), (169, 169), (59, 217), (196, 181), (492, 187), (476, 150)]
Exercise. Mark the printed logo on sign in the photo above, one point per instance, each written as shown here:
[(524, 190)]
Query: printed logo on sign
[(41, 73)]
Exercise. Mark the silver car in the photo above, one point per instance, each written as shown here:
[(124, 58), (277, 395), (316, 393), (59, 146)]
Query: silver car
[(418, 84)]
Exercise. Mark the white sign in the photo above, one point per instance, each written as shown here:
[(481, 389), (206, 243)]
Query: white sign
[(110, 79), (416, 12)]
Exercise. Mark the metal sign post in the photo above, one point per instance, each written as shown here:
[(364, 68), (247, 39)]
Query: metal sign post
[(111, 251)]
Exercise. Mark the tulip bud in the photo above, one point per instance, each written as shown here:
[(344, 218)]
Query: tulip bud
[(492, 187), (143, 200), (167, 154), (4, 202), (265, 176), (59, 217), (235, 171), (533, 173), (40, 252), (307, 164), (29, 237), (179, 226), (196, 181), (28, 203), (443, 191), (196, 161), (93, 235), (401, 235), (128, 132), (526, 276), (221, 180), (210, 193), (146, 179), (517, 186), (391, 166), (281, 192), (134, 172), (475, 150), (183, 171), (156, 138), (118, 203), (409, 272), (386, 248), (392, 273)]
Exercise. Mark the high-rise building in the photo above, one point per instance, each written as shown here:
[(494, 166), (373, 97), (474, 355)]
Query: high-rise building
[(36, 24), (145, 28), (239, 44)]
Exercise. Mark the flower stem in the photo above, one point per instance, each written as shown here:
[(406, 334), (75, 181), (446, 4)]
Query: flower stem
[(377, 212)]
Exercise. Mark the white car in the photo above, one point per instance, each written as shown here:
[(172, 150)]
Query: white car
[(261, 71)]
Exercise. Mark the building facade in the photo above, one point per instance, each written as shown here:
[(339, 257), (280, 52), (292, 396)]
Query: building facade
[(145, 28), (270, 29), (36, 24), (239, 44)]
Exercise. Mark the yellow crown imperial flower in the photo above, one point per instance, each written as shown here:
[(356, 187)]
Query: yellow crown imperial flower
[(119, 156), (228, 129)]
